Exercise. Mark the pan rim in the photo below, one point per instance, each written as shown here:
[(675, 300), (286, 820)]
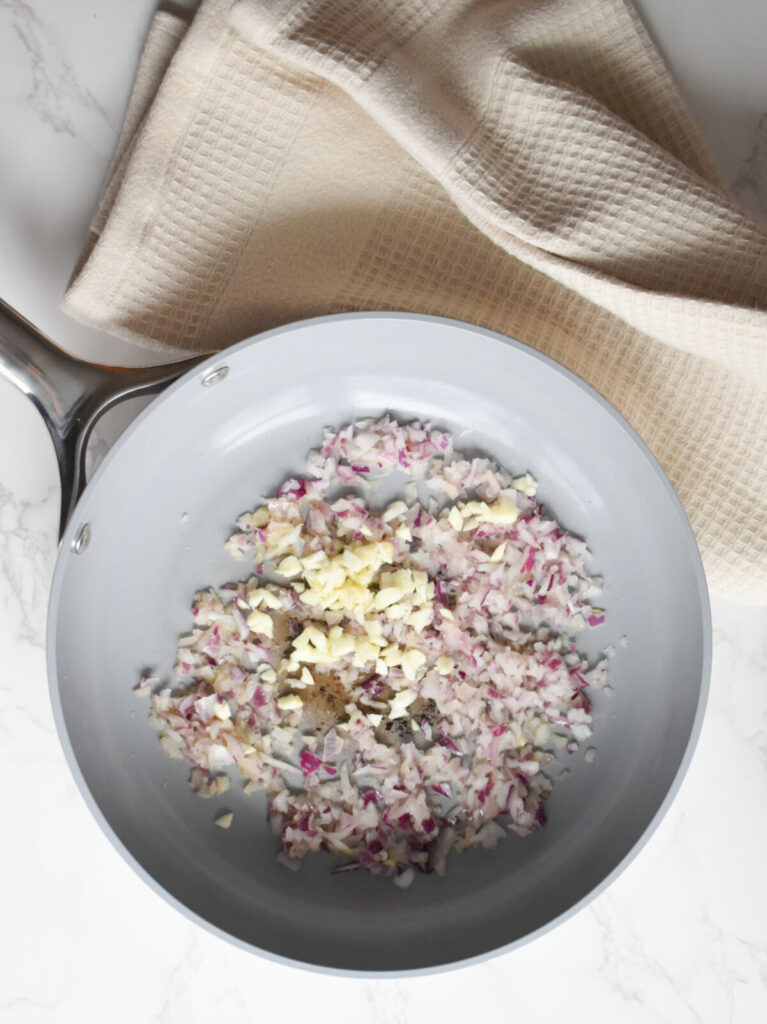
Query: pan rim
[(65, 553)]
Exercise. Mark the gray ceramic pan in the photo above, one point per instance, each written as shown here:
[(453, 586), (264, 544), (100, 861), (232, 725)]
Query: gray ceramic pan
[(150, 528)]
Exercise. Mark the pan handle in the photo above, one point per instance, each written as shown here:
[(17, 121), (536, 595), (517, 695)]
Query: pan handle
[(71, 394)]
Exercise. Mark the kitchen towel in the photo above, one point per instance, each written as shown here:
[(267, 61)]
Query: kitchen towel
[(526, 165)]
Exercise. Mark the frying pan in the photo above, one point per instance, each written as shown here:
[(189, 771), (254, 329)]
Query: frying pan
[(149, 529)]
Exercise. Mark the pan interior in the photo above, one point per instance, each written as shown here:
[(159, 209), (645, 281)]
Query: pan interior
[(160, 509)]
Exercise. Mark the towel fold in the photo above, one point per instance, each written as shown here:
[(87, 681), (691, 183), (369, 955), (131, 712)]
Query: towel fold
[(527, 165)]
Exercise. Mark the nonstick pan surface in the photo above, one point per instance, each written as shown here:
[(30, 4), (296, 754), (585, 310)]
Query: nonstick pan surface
[(158, 512)]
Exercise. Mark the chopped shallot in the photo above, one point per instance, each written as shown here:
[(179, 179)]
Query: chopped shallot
[(431, 643)]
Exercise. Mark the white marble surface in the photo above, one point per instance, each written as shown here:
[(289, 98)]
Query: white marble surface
[(680, 937)]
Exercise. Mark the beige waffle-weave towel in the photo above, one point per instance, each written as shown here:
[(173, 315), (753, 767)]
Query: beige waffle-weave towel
[(527, 165)]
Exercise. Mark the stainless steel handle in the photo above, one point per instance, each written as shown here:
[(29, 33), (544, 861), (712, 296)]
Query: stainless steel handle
[(71, 394)]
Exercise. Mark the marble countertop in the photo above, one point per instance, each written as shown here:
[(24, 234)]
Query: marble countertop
[(680, 937)]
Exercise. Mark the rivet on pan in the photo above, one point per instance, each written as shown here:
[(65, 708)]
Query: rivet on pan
[(81, 541), (214, 376)]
